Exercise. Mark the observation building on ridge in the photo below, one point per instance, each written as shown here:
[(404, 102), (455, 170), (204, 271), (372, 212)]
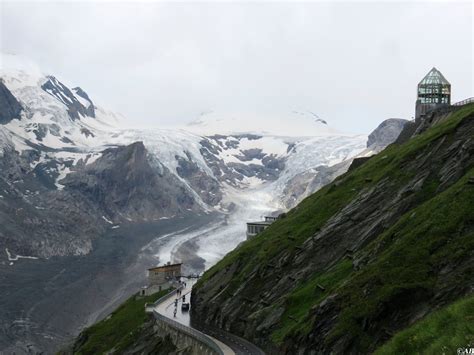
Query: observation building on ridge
[(434, 91)]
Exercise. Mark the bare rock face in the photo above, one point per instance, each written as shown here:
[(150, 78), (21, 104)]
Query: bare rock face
[(90, 110), (126, 183), (386, 133), (10, 108), (37, 218), (303, 185), (123, 185), (75, 108), (204, 185), (267, 167)]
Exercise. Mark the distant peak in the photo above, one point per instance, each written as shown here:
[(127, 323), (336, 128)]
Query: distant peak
[(12, 63), (294, 123)]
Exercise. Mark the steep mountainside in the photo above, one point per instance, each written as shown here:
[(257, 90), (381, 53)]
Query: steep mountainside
[(381, 247), (11, 108), (128, 185), (64, 178)]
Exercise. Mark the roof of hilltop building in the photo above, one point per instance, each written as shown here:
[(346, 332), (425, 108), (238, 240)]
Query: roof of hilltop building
[(261, 223), (266, 222), (165, 267), (434, 77)]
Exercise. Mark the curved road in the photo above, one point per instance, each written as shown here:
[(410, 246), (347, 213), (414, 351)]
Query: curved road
[(239, 345), (229, 343)]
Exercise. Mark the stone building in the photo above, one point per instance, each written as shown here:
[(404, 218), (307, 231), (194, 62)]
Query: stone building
[(434, 91), (254, 228), (161, 274), (161, 278)]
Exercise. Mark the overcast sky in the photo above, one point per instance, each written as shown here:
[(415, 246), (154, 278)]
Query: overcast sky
[(158, 63)]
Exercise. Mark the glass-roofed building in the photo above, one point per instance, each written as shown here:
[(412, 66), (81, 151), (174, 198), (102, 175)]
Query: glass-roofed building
[(433, 91)]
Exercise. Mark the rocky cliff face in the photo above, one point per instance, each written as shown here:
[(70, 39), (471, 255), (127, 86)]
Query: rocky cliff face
[(366, 256), (386, 133), (11, 108), (42, 217), (128, 184), (38, 220), (204, 185), (75, 107)]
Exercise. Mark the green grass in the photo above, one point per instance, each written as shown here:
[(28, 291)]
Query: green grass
[(301, 300), (443, 331), (118, 330), (411, 255), (313, 212), (408, 254)]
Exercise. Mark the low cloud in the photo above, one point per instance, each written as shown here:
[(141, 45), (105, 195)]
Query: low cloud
[(163, 63)]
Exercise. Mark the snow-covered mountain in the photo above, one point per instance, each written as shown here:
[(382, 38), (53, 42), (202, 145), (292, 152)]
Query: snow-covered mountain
[(61, 145)]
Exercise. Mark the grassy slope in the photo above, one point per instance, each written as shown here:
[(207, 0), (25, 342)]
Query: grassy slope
[(441, 332), (423, 240), (308, 294), (118, 330), (404, 263)]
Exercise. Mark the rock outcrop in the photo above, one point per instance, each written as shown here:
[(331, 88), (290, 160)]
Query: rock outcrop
[(10, 108), (126, 183), (205, 186), (90, 109), (60, 91), (386, 133)]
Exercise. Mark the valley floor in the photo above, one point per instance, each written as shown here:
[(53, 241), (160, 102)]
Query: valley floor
[(46, 302)]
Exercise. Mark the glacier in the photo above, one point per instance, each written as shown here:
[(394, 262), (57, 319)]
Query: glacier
[(252, 159)]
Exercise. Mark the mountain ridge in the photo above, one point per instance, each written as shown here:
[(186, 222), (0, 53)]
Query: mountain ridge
[(304, 283)]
